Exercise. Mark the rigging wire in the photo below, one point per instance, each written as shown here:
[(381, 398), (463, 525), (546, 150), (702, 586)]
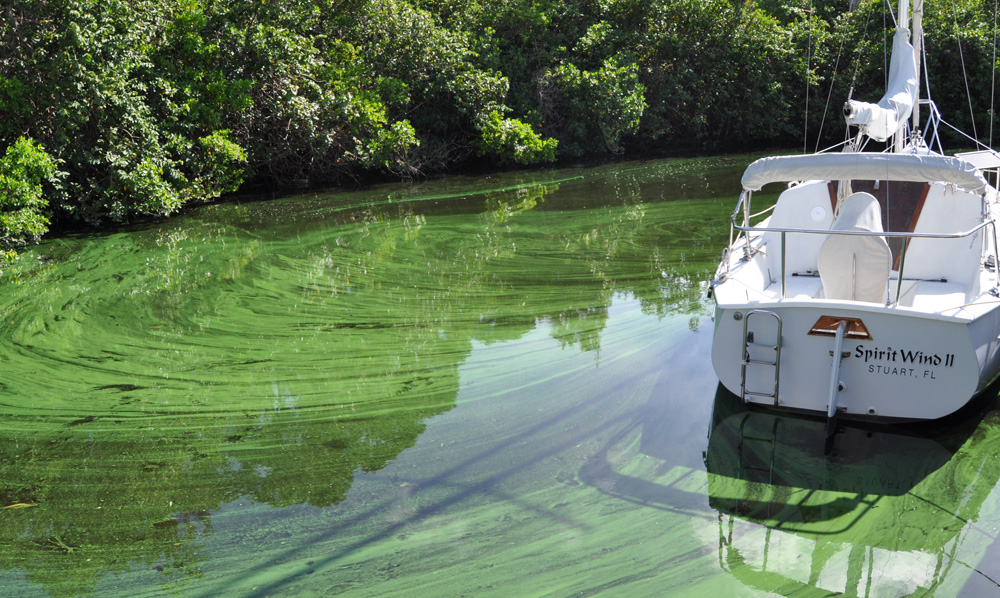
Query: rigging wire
[(978, 143), (885, 46), (836, 67), (833, 81), (809, 48), (927, 94), (993, 83), (965, 74)]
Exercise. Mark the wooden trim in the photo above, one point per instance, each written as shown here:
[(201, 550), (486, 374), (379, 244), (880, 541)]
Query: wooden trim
[(833, 198), (913, 220), (919, 208), (827, 326)]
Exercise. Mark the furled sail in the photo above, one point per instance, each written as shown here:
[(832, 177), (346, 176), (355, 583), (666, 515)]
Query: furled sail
[(881, 121)]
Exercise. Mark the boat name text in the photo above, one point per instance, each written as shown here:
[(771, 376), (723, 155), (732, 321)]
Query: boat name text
[(903, 356)]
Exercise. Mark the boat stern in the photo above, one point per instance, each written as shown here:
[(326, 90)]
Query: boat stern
[(888, 365)]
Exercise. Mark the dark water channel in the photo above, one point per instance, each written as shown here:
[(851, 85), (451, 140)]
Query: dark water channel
[(492, 386)]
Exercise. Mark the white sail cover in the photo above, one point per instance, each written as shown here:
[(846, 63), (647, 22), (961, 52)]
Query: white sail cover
[(864, 166), (881, 121)]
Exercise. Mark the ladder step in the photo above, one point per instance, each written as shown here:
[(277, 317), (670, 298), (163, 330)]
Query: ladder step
[(749, 346), (759, 361)]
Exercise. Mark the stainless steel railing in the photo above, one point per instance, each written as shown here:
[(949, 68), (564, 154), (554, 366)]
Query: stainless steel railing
[(745, 230)]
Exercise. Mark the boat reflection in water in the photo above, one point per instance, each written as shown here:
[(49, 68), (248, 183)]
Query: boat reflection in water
[(873, 511)]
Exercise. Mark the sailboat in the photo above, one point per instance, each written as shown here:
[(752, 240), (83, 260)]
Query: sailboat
[(869, 289)]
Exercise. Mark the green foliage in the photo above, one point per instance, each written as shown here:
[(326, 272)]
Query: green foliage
[(389, 149), (591, 111), (429, 77), (150, 105), (120, 92), (715, 70), (215, 161), (24, 169), (513, 141)]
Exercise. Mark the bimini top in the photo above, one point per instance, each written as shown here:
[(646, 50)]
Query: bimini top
[(864, 166)]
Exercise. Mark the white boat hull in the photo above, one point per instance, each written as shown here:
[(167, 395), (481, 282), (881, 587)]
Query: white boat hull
[(914, 366)]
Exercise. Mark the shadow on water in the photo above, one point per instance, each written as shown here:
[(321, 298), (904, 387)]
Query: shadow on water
[(431, 506), (759, 446), (878, 510), (887, 510)]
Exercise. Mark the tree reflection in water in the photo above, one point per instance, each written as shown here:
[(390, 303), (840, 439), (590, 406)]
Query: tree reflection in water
[(273, 351)]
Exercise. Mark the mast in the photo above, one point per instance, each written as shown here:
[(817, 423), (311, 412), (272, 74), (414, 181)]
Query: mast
[(889, 117), (918, 49), (904, 23)]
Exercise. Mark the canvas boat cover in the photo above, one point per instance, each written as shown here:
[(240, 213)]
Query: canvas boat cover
[(855, 267), (881, 121), (864, 166)]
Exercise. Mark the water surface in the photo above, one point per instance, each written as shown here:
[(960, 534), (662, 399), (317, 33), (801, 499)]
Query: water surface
[(493, 386)]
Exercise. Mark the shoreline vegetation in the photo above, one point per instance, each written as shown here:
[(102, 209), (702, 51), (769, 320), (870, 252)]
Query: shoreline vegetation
[(115, 110)]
